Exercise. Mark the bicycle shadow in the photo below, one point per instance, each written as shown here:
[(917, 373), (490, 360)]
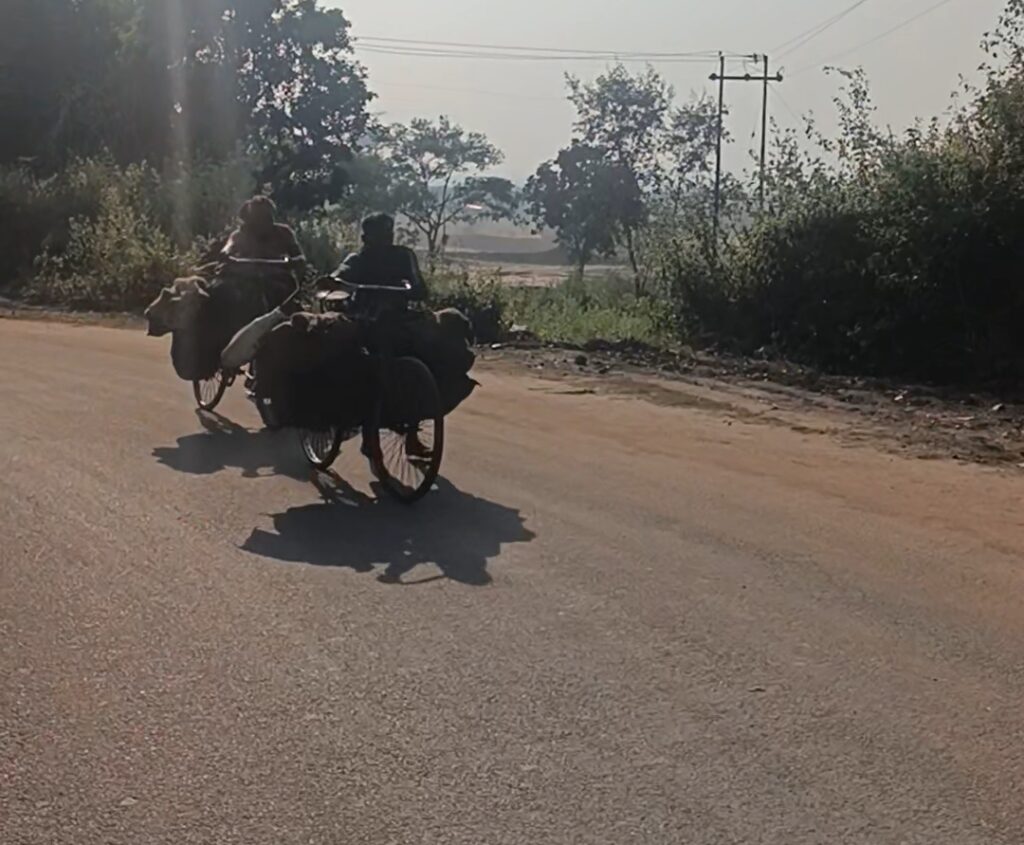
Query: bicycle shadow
[(455, 531), (225, 445)]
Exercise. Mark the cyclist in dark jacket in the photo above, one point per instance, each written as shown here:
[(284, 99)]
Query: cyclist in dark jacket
[(381, 261)]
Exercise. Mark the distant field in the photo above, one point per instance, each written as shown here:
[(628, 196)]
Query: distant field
[(519, 256), (526, 273)]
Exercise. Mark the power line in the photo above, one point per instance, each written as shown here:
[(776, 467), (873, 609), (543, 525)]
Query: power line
[(444, 53), (933, 8), (778, 93), (480, 91), (381, 41), (809, 35)]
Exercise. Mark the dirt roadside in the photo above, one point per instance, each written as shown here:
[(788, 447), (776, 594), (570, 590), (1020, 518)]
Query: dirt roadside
[(922, 422)]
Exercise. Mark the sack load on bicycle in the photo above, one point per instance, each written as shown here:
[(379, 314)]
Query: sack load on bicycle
[(316, 370), (306, 363), (250, 276)]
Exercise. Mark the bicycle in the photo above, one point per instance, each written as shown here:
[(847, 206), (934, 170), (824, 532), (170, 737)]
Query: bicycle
[(209, 392), (403, 436)]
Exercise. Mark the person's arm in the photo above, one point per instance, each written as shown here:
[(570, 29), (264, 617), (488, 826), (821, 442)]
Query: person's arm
[(419, 287), (233, 248), (349, 270), (292, 249)]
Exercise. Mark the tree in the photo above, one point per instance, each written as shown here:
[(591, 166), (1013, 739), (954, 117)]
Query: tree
[(437, 178), (625, 116), (586, 200), (58, 76), (666, 150), (372, 188), (278, 77), (175, 82), (688, 150)]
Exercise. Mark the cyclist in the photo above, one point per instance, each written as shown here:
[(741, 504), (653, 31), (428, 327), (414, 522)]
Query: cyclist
[(381, 262), (259, 235)]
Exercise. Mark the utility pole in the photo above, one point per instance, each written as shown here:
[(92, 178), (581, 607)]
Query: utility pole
[(764, 128), (718, 149), (721, 78)]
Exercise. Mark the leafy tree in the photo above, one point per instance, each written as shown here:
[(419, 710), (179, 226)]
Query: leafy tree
[(276, 76), (58, 77), (626, 116), (437, 179), (158, 81), (372, 187), (632, 121), (586, 200), (688, 149)]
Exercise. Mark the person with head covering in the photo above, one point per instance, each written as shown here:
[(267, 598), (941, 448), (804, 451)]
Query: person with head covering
[(259, 235)]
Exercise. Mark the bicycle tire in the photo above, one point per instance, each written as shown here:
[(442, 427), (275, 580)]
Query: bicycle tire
[(209, 392), (409, 400)]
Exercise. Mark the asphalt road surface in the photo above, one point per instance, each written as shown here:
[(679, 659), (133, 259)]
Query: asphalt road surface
[(615, 623)]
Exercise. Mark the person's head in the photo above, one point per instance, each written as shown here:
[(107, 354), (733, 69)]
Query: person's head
[(258, 213), (379, 230)]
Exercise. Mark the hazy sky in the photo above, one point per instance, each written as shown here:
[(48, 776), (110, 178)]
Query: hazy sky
[(521, 105)]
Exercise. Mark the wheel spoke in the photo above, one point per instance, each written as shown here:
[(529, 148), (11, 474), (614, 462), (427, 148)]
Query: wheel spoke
[(208, 392), (412, 414), (321, 447), (408, 470)]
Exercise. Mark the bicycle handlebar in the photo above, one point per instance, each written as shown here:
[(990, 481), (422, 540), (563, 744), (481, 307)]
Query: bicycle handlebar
[(266, 262), (406, 287)]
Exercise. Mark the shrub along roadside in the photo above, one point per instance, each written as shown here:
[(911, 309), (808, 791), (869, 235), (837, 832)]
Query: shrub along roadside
[(902, 256), (572, 312)]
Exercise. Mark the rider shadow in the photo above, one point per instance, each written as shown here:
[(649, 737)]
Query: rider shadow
[(227, 445), (455, 531)]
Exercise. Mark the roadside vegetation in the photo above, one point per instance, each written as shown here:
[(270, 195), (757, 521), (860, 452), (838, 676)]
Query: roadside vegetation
[(875, 253)]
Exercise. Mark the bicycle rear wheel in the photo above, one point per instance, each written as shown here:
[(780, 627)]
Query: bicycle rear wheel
[(209, 392), (405, 437)]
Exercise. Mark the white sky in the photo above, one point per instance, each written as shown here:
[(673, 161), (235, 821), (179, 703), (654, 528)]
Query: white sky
[(521, 105)]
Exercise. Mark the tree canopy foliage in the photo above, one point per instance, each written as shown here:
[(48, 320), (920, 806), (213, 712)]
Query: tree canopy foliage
[(157, 81), (436, 179), (633, 151)]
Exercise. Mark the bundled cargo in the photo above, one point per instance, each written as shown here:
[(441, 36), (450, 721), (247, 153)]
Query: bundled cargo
[(204, 316), (314, 370)]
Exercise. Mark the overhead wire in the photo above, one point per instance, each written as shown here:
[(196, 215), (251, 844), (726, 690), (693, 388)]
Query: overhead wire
[(785, 103), (388, 84), (804, 38), (444, 53), (892, 30), (415, 42)]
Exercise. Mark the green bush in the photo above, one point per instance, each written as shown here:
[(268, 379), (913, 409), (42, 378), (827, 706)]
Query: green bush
[(116, 260), (36, 213), (483, 300), (201, 200), (325, 240), (581, 310), (575, 311), (901, 257)]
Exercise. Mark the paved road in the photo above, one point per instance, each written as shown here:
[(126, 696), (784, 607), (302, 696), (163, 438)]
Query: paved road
[(618, 623)]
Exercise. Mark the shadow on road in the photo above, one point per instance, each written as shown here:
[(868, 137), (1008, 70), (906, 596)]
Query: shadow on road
[(455, 531), (227, 445)]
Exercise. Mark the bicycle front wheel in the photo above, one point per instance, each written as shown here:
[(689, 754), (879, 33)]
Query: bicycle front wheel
[(209, 392), (405, 437)]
